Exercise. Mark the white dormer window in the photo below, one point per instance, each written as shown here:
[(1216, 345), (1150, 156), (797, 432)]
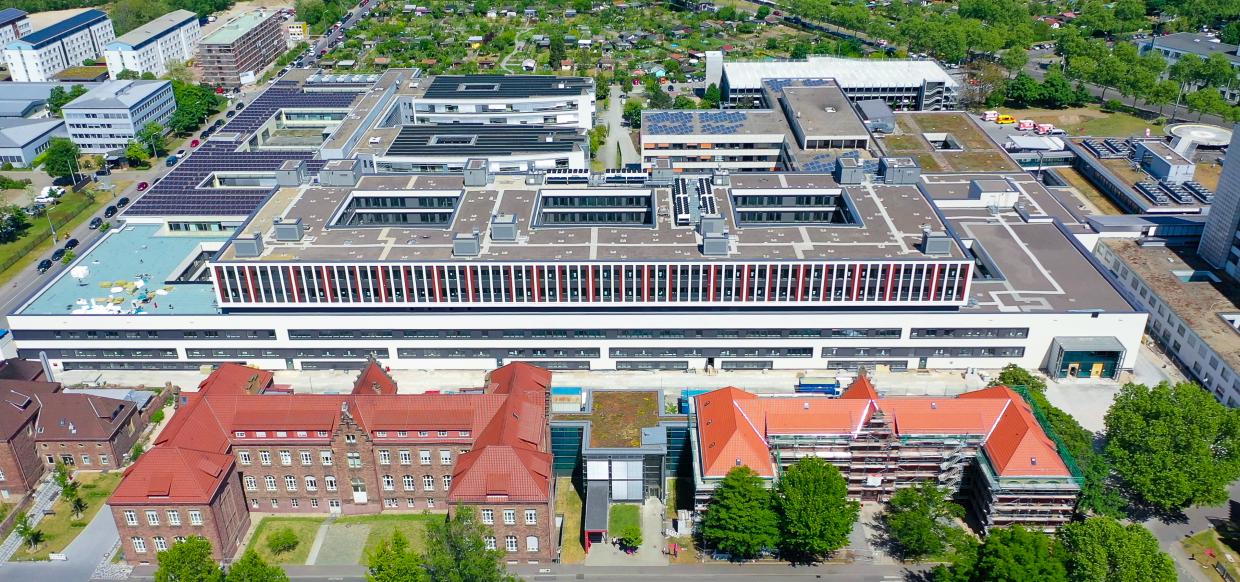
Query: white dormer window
[(262, 434), (301, 434), (239, 434), (381, 433)]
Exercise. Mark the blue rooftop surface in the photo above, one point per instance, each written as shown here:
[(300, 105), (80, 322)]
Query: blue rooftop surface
[(134, 253), (66, 26), (9, 15)]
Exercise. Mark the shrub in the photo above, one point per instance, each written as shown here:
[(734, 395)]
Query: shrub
[(282, 540), (157, 416)]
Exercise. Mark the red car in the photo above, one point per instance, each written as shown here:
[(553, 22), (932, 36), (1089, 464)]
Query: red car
[(143, 186), (194, 143)]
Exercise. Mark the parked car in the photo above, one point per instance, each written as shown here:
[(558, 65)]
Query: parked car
[(44, 265), (36, 209), (194, 143), (240, 105), (109, 212), (171, 161), (95, 223), (142, 186), (71, 244), (230, 113), (123, 202), (180, 153), (58, 254), (218, 123), (103, 172)]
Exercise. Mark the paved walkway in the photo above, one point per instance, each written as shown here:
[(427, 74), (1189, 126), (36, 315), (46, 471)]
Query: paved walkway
[(342, 545), (93, 546), (319, 536), (617, 133), (45, 495), (653, 543)]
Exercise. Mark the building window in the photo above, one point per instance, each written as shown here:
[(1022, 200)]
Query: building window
[(131, 517), (510, 516), (239, 434), (139, 544), (424, 457), (430, 503), (321, 433), (160, 543), (490, 542), (531, 543), (445, 457), (178, 539), (531, 516), (385, 457), (251, 483), (325, 457), (447, 482), (254, 503), (275, 503), (488, 516), (286, 458), (85, 459), (103, 460), (390, 502), (314, 502), (428, 483), (402, 433), (330, 482), (295, 502), (312, 484), (389, 483), (510, 543), (406, 458), (442, 433), (290, 482), (463, 433), (350, 439), (270, 482), (264, 457), (381, 433), (174, 517), (355, 460), (244, 457), (407, 481), (195, 517), (306, 458), (152, 517)]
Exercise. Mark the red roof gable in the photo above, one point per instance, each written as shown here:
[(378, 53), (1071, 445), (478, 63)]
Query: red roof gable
[(233, 378), (861, 388), (374, 380), (171, 474)]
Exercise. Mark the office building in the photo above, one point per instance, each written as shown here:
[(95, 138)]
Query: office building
[(986, 445), (235, 447), (884, 264), (1219, 245), (236, 53), (14, 24), (1173, 47), (22, 140), (500, 99), (39, 55), (109, 116), (171, 38)]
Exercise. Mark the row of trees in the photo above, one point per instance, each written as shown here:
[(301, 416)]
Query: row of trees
[(806, 516), (127, 15)]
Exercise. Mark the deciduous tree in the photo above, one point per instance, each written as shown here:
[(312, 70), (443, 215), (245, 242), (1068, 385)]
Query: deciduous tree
[(456, 551), (918, 521), (188, 561), (1173, 445), (815, 513), (1009, 554), (741, 520), (252, 568), (60, 158), (1101, 549), (394, 561)]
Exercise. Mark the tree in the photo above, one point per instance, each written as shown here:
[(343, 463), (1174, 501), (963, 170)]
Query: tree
[(29, 534), (814, 510), (127, 75), (656, 97), (556, 48), (127, 15), (393, 561), (918, 521), (1013, 375), (763, 12), (712, 97), (60, 158), (188, 561), (1014, 59), (1173, 445), (1101, 549), (252, 568), (13, 224), (1231, 33), (1162, 93), (1009, 554), (178, 71), (58, 97), (741, 520), (152, 136), (630, 536), (282, 540), (77, 505), (456, 551), (684, 102), (1056, 92), (1023, 91), (136, 153), (633, 113)]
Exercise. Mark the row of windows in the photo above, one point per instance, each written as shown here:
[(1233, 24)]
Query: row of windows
[(160, 543), (970, 332), (71, 461), (153, 517), (132, 334), (354, 458), (510, 543), (509, 516), (309, 334), (311, 483)]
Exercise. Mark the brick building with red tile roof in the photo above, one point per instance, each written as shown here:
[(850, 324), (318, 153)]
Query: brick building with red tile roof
[(229, 450), (986, 444)]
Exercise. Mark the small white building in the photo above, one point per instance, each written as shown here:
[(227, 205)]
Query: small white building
[(22, 140), (150, 47), (14, 24), (107, 117), (297, 32), (37, 56)]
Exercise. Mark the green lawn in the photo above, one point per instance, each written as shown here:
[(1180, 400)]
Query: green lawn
[(74, 209), (304, 527), (413, 526), (568, 503), (623, 515), (1197, 545), (62, 528)]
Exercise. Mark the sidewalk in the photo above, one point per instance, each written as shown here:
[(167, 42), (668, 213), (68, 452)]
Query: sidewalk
[(45, 495)]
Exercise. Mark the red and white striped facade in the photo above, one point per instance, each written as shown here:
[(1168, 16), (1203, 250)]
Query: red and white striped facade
[(477, 284)]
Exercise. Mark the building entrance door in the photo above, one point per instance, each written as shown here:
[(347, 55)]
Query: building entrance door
[(1074, 369), (359, 491), (1096, 370)]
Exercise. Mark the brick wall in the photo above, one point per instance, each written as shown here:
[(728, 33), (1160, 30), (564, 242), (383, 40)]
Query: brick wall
[(19, 461), (542, 528), (223, 523)]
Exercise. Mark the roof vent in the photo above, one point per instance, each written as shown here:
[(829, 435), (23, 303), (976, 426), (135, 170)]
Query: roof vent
[(738, 461), (805, 406), (1033, 461), (466, 245), (72, 429), (934, 405)]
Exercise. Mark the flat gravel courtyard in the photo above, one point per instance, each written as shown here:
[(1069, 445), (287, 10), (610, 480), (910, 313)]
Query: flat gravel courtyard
[(343, 544)]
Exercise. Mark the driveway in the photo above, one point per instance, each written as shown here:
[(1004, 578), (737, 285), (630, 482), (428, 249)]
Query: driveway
[(92, 546), (617, 133)]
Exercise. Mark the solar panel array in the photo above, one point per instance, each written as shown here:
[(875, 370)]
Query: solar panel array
[(819, 163), (669, 122), (1151, 191), (1109, 149), (178, 191), (624, 177), (567, 176), (721, 122), (706, 197), (680, 201), (1176, 192), (1201, 192)]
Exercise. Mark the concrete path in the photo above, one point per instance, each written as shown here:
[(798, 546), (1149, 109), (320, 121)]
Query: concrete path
[(319, 536), (92, 546), (45, 495), (617, 133), (342, 545), (1196, 520)]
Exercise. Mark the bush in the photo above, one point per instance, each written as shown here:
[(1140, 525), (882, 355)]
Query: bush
[(1113, 105), (137, 451), (282, 540), (157, 416)]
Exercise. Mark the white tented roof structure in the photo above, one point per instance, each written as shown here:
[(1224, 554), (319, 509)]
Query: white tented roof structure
[(848, 73)]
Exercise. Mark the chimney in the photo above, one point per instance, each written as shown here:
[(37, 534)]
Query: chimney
[(72, 429)]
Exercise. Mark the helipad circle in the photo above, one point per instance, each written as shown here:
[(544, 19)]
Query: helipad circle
[(1203, 134)]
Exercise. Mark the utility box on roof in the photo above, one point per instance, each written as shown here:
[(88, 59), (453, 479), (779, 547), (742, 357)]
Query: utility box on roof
[(504, 227), (476, 172), (899, 170), (849, 171)]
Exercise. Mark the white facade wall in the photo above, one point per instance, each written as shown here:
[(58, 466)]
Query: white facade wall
[(566, 111), (38, 65), (15, 30), (175, 45), (102, 130)]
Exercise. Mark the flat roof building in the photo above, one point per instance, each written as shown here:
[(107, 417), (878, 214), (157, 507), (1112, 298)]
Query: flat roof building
[(22, 140), (506, 99), (37, 56), (14, 24), (110, 115), (1173, 47), (237, 52), (150, 47), (1219, 245)]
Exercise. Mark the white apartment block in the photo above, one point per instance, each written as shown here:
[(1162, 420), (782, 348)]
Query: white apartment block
[(150, 47), (38, 56), (499, 99), (14, 24), (107, 117)]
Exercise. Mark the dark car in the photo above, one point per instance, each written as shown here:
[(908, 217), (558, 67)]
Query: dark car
[(143, 186), (95, 223), (240, 105), (218, 123), (44, 265), (109, 212), (230, 114), (103, 172), (123, 202), (57, 254), (71, 244)]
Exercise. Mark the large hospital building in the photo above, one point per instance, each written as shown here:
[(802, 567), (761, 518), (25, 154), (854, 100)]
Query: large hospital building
[(268, 248)]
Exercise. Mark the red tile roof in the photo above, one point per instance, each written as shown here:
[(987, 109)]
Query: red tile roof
[(172, 474), (374, 380), (733, 425), (237, 379)]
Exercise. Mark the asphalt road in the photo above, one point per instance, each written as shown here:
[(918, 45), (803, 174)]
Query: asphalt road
[(859, 572)]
